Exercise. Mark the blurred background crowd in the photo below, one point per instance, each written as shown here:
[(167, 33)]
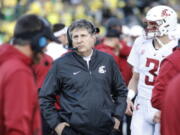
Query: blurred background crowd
[(131, 12)]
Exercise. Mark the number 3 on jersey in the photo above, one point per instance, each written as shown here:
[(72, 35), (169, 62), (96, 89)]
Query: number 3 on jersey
[(152, 71)]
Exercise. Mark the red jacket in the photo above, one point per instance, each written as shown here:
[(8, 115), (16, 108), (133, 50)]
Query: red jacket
[(126, 69), (171, 111), (41, 69), (170, 67), (125, 49), (121, 60), (19, 108), (110, 50)]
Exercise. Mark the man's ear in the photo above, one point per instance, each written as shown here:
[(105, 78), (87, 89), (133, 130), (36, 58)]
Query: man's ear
[(94, 37)]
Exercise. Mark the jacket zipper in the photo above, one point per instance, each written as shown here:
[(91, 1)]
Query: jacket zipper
[(89, 69)]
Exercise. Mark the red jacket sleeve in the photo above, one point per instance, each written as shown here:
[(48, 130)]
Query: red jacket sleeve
[(125, 50), (170, 112), (21, 109), (166, 73)]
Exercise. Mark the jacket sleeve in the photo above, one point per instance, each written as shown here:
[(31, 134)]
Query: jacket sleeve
[(166, 73), (21, 108), (119, 92), (47, 97)]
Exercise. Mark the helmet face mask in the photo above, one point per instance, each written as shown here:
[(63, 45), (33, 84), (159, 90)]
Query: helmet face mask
[(160, 21), (152, 28)]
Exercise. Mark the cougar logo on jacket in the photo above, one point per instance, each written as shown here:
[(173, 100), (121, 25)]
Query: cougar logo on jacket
[(102, 69)]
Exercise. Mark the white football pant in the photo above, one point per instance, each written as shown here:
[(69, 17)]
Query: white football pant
[(142, 119)]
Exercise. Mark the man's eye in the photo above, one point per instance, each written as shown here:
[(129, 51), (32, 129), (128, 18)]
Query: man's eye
[(75, 37), (83, 35)]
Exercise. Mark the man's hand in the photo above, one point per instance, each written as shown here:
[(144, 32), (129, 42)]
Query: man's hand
[(157, 117), (60, 127), (117, 123), (130, 107)]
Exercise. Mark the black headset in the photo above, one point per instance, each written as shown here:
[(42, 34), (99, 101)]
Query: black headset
[(69, 39), (40, 41), (93, 28)]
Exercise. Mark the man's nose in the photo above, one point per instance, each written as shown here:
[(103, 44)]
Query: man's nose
[(79, 39)]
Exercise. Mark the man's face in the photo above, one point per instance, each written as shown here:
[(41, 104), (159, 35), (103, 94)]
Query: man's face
[(152, 28), (83, 40)]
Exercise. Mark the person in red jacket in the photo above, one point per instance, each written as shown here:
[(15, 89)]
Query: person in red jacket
[(171, 111), (110, 45), (126, 69), (19, 108), (114, 23), (170, 67), (41, 69), (123, 49)]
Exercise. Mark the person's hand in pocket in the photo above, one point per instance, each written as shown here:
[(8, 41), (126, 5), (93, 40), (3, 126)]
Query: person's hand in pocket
[(117, 123), (60, 127)]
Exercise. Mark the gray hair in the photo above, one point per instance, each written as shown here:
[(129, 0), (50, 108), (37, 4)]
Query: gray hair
[(82, 23)]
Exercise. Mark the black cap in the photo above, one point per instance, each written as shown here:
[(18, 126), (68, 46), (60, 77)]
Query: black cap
[(113, 22), (49, 35), (58, 27), (113, 33)]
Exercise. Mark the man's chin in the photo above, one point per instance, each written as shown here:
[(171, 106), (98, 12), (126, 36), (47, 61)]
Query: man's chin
[(81, 50)]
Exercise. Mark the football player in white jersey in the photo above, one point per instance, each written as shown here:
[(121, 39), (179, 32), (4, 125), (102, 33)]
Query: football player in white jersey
[(146, 55)]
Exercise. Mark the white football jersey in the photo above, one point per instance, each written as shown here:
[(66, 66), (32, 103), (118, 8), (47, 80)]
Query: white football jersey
[(146, 60)]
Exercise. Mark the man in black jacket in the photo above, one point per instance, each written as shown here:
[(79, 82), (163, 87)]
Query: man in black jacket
[(92, 91)]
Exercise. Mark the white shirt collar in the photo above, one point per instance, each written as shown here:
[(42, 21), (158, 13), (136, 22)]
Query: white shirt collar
[(88, 58)]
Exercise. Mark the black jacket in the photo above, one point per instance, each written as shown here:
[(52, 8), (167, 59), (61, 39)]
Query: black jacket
[(89, 97)]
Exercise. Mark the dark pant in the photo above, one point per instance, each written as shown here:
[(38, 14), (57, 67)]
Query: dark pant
[(115, 132), (46, 130), (70, 131)]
